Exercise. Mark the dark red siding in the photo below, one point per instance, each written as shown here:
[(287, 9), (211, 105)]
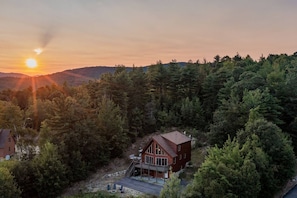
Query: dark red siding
[(184, 152)]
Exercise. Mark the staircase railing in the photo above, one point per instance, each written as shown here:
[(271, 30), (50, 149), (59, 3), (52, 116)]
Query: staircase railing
[(130, 169)]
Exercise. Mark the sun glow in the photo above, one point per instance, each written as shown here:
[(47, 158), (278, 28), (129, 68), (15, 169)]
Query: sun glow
[(38, 51), (31, 63)]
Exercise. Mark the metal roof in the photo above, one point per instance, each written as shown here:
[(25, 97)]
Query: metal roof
[(162, 142), (176, 137), (4, 134)]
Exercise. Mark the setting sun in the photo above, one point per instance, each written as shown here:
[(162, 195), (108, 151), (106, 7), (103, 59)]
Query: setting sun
[(31, 63)]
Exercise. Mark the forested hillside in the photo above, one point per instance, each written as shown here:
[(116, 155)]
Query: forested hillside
[(245, 108), (73, 77)]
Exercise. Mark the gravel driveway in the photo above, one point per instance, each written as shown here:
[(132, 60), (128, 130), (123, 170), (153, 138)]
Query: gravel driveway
[(140, 186)]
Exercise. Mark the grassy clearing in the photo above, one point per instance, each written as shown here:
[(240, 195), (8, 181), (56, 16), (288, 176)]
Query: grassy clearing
[(198, 156)]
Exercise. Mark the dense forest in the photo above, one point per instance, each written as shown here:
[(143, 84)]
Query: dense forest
[(247, 109)]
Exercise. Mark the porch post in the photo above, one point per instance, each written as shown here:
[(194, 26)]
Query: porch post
[(156, 173), (149, 170), (141, 169)]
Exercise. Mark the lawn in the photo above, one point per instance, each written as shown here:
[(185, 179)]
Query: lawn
[(197, 157)]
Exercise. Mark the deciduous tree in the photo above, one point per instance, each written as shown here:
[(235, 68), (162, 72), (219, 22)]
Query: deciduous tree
[(8, 188)]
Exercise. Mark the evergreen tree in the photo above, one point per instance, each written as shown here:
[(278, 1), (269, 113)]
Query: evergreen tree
[(227, 120), (112, 127)]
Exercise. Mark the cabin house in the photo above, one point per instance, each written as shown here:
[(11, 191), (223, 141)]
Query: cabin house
[(162, 154), (7, 143)]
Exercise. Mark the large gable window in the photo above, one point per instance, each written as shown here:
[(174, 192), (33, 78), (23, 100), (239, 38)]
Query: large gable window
[(149, 160), (161, 161), (159, 150), (150, 149)]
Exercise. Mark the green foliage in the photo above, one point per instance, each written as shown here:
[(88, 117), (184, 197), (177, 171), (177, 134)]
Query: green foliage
[(227, 120), (36, 113), (11, 116), (248, 81), (50, 172), (226, 172), (8, 188), (112, 127), (190, 83), (192, 114), (233, 113), (172, 187), (24, 175), (93, 123), (268, 105), (138, 98), (278, 148), (211, 86)]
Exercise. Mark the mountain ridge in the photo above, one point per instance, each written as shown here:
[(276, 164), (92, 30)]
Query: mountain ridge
[(73, 77), (12, 74)]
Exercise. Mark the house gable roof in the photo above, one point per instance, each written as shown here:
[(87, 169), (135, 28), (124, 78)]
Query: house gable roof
[(4, 134), (176, 137), (162, 142)]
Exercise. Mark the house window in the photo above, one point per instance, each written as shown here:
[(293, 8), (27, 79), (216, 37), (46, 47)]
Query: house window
[(178, 147), (180, 156), (185, 155), (9, 139), (159, 150), (149, 160), (8, 148), (150, 149), (174, 160), (161, 161)]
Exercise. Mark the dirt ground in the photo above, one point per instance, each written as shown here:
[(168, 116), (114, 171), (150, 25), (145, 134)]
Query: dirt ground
[(110, 173)]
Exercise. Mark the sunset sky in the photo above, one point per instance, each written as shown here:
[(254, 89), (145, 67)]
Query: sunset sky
[(77, 33)]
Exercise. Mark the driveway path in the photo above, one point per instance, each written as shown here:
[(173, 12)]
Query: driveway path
[(140, 186), (292, 193)]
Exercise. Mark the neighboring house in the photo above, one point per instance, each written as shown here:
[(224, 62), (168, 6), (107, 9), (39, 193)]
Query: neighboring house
[(163, 153), (7, 143)]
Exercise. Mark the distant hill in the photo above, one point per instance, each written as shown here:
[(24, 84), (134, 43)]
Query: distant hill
[(17, 75), (73, 77)]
